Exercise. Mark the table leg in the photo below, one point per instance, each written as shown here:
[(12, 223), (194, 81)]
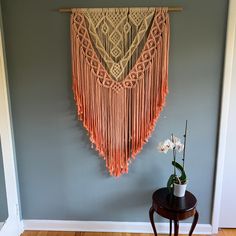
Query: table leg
[(170, 228), (151, 213), (195, 220), (176, 222)]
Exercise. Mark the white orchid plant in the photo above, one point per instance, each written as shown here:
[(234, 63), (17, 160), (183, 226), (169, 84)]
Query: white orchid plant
[(175, 145)]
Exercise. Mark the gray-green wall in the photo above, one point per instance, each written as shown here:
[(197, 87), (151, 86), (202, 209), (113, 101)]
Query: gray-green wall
[(60, 176)]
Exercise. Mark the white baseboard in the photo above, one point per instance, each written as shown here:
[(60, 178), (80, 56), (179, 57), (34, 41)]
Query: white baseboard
[(109, 226)]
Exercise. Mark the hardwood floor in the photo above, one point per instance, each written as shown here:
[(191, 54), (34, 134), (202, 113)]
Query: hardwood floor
[(227, 232), (223, 232)]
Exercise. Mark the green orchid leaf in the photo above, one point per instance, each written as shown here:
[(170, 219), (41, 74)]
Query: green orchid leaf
[(171, 181), (183, 177)]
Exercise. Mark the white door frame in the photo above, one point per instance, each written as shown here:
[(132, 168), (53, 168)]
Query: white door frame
[(12, 224), (228, 69)]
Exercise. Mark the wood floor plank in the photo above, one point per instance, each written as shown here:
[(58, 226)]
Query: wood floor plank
[(35, 233), (227, 232), (61, 234), (42, 233)]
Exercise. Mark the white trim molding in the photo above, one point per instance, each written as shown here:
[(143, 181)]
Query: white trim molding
[(109, 226), (12, 224), (228, 68)]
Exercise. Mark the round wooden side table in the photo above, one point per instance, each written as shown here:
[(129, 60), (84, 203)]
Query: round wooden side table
[(173, 208)]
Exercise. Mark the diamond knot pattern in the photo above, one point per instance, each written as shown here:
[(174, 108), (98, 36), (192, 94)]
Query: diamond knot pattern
[(96, 18), (116, 17), (136, 17), (127, 27), (115, 37), (116, 70), (117, 34), (105, 28), (115, 52)]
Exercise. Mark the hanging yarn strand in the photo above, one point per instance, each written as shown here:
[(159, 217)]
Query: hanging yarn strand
[(120, 77)]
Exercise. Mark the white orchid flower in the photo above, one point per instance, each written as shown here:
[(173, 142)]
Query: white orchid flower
[(170, 145), (176, 140), (165, 146), (162, 148), (177, 144), (179, 147)]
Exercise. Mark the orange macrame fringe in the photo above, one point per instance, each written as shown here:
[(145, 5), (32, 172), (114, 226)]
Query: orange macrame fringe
[(119, 121)]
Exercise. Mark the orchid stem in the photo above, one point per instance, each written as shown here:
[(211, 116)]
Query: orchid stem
[(185, 139), (174, 153)]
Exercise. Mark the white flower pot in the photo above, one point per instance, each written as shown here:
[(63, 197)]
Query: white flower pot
[(179, 190)]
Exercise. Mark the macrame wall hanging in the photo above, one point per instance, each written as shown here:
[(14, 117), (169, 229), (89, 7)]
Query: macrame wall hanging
[(120, 77)]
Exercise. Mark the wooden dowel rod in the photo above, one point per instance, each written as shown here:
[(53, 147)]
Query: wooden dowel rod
[(175, 9), (170, 9)]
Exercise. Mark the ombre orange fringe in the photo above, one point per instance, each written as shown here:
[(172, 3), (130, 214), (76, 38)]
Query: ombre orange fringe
[(120, 115)]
